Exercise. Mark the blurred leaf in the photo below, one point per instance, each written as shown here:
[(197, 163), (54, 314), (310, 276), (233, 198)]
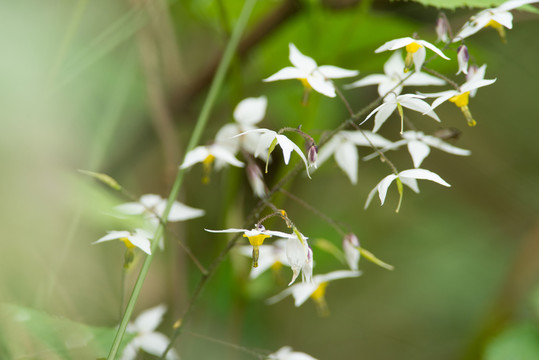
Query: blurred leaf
[(30, 333), (520, 342), (453, 4)]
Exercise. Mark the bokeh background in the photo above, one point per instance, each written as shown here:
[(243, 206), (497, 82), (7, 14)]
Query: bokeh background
[(116, 87)]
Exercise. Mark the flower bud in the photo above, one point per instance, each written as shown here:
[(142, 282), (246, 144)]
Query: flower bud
[(442, 29), (312, 155), (256, 180), (350, 245), (463, 57)]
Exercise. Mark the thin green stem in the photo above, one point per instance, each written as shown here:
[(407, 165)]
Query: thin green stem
[(195, 138)]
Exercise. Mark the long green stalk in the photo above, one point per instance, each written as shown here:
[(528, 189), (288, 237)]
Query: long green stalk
[(195, 138)]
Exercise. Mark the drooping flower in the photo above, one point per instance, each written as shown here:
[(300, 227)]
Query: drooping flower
[(406, 177), (350, 245), (286, 353), (315, 289), (256, 180), (206, 155), (461, 96), (269, 140), (419, 146), (343, 148), (247, 113), (300, 257), (140, 239), (394, 77), (415, 51), (310, 74), (256, 237), (146, 338), (497, 18), (442, 29), (392, 103)]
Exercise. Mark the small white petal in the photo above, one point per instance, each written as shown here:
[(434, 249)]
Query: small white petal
[(419, 106), (419, 58), (442, 145), (423, 175), (335, 275), (142, 242), (321, 85), (131, 208), (334, 72), (433, 48), (411, 183), (155, 343), (181, 212), (504, 18), (359, 138), (367, 80), (383, 114), (286, 73), (300, 61), (395, 44), (251, 110), (384, 185), (347, 159), (419, 151), (198, 154), (150, 319), (113, 235)]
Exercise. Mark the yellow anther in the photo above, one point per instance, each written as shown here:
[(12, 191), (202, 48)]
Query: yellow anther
[(461, 99), (128, 244), (276, 266), (206, 163), (494, 24), (320, 300), (305, 83), (256, 240), (466, 111), (320, 291), (413, 47)]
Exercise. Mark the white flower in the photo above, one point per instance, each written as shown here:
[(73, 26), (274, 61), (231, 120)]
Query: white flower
[(442, 29), (300, 258), (394, 77), (256, 180), (315, 289), (256, 237), (247, 113), (406, 177), (140, 238), (206, 155), (271, 256), (343, 147), (497, 18), (146, 337), (310, 74), (269, 139), (461, 96), (286, 353), (419, 146), (153, 206), (350, 245), (415, 51), (392, 103)]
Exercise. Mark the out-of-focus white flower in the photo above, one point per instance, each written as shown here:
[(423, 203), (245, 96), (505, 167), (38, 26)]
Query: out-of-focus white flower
[(269, 140), (256, 237), (206, 155), (497, 18), (406, 177), (271, 256), (146, 338), (394, 77), (315, 289), (350, 245), (247, 113), (415, 51), (153, 206), (442, 29), (392, 103), (343, 148), (140, 239), (300, 257), (419, 146), (256, 180), (461, 96), (286, 353), (310, 74), (463, 57)]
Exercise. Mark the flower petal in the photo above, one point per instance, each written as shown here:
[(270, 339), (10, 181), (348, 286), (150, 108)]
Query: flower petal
[(150, 319), (155, 343), (194, 156), (142, 242), (251, 110), (366, 81), (347, 159), (286, 74), (181, 212), (300, 61), (423, 175), (444, 146), (395, 44), (334, 72), (433, 48), (321, 85), (222, 153), (419, 151), (419, 106), (381, 116), (113, 235), (335, 275), (384, 185)]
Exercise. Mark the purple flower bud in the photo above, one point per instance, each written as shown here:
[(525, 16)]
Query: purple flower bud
[(442, 29), (312, 155), (463, 57)]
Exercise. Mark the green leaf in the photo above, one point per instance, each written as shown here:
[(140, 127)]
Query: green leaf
[(453, 4), (520, 342), (29, 333)]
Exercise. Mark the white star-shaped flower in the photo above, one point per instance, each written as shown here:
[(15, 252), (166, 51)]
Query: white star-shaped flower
[(140, 239), (153, 206), (406, 177), (392, 103), (343, 146), (269, 139), (310, 74), (286, 353), (497, 18), (247, 113), (394, 77), (146, 337), (415, 51), (419, 146), (315, 289)]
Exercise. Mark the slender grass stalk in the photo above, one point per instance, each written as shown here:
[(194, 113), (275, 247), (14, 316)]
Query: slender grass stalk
[(195, 138)]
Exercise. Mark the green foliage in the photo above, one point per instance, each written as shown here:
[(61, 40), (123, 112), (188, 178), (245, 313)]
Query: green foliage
[(520, 342), (36, 334), (454, 4)]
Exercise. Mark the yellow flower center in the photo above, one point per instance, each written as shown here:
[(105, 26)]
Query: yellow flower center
[(318, 297), (494, 24), (413, 47), (276, 266), (461, 99), (206, 163), (256, 240), (305, 83), (128, 244)]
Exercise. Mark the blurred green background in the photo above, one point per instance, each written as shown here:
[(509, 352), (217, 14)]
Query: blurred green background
[(115, 87)]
